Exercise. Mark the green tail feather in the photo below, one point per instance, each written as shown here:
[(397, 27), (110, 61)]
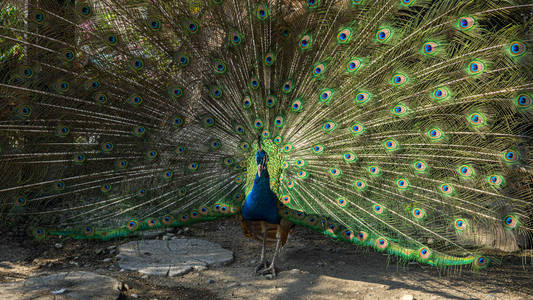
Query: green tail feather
[(407, 121)]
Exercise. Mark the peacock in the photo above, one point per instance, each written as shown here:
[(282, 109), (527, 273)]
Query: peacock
[(403, 126)]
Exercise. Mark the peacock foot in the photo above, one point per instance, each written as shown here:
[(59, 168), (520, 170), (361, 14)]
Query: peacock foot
[(270, 270), (261, 266)]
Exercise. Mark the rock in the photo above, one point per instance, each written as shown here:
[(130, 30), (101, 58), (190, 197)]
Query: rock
[(111, 247), (171, 257), (269, 276), (112, 251), (253, 262), (58, 245), (99, 251), (233, 284), (60, 291), (74, 263), (165, 238), (294, 271), (77, 285), (144, 276), (200, 268), (108, 259), (186, 229), (134, 296), (210, 281), (407, 297)]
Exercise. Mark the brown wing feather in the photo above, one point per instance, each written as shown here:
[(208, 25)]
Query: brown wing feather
[(254, 230)]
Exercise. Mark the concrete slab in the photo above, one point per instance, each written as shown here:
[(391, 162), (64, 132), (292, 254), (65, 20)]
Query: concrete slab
[(171, 257)]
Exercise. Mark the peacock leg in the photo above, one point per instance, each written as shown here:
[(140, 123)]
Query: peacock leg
[(272, 268), (262, 262)]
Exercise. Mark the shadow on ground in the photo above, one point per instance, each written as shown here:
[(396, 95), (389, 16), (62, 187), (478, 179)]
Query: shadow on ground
[(311, 267)]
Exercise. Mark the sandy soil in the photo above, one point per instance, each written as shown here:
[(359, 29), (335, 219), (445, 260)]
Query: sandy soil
[(311, 267)]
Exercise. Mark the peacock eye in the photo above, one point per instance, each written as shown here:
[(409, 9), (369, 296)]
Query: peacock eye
[(262, 12), (297, 105), (465, 23), (476, 67), (319, 69), (390, 144), (344, 36), (400, 110), (517, 49), (219, 67), (356, 129), (440, 94), (429, 48), (510, 156), (353, 65), (523, 101), (305, 42), (270, 58), (359, 185), (399, 79), (383, 35), (329, 126), (435, 134)]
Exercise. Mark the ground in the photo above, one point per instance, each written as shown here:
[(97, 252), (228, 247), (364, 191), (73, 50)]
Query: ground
[(311, 267)]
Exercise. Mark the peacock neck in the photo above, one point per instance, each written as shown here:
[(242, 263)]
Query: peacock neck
[(274, 165)]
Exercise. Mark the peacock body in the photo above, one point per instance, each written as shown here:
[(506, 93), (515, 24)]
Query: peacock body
[(404, 126)]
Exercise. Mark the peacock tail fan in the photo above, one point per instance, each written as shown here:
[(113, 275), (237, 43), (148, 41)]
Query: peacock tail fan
[(403, 126)]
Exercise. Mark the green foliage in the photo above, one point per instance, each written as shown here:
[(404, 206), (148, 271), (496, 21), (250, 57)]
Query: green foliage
[(10, 18)]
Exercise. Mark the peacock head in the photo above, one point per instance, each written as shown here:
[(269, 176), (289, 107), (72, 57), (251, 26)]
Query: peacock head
[(275, 164)]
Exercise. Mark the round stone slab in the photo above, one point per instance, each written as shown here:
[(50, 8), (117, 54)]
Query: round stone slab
[(171, 257), (66, 285)]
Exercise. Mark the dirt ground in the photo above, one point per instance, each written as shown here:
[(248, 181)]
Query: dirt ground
[(311, 267)]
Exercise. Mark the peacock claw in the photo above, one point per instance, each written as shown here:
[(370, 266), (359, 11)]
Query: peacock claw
[(260, 267), (270, 270)]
